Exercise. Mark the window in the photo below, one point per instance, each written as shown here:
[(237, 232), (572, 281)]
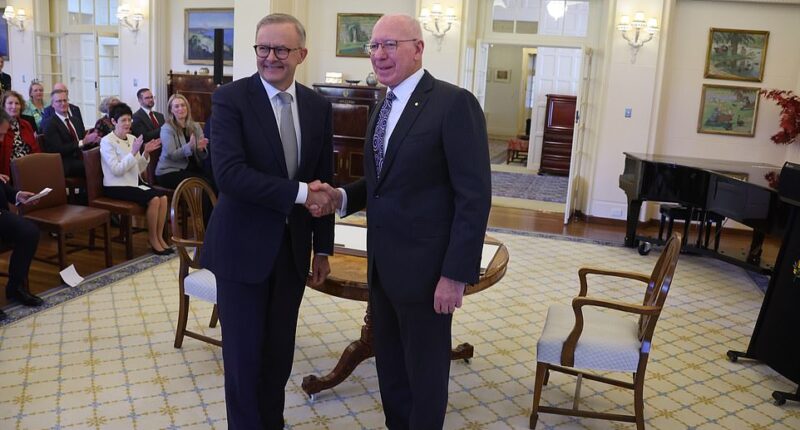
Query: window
[(546, 17)]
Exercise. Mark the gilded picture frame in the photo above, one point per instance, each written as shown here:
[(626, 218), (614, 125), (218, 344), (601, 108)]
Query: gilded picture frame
[(199, 25), (353, 31), (728, 110), (737, 55)]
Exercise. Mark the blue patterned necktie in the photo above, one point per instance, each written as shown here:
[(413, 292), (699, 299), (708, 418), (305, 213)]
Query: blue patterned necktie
[(380, 132)]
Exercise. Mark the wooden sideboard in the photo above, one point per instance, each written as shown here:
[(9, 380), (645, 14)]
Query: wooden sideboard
[(197, 89), (352, 107), (559, 124)]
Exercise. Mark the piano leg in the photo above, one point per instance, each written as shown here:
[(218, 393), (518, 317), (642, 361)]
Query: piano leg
[(634, 206), (754, 255)]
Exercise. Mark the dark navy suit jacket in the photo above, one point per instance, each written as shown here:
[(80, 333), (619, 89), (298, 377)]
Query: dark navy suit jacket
[(256, 197), (427, 215)]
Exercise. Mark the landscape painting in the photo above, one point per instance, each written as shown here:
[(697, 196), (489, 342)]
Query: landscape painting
[(736, 54), (3, 36), (199, 40), (353, 31), (728, 110)]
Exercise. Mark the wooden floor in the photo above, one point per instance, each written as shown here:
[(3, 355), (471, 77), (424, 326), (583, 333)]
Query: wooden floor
[(44, 277)]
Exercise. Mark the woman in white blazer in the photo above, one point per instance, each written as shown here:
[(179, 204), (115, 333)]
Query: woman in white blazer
[(122, 163)]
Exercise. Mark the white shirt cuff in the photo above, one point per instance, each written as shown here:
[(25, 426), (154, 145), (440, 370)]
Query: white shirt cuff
[(302, 194), (343, 210)]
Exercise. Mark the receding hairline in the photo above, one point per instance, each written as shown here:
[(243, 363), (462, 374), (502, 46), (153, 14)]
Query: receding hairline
[(283, 18), (408, 22)]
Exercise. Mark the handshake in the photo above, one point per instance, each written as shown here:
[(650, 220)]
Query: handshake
[(322, 199)]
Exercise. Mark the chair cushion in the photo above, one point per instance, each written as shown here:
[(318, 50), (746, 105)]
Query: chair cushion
[(201, 284), (609, 341), (123, 207), (68, 218)]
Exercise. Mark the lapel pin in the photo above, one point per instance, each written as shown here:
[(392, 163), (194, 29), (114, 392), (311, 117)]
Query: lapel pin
[(416, 103)]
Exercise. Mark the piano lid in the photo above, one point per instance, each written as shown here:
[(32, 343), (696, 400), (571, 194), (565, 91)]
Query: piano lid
[(753, 173)]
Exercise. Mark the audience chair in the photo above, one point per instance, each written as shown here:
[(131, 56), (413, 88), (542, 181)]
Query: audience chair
[(193, 280), (581, 337), (125, 209), (73, 182), (52, 214)]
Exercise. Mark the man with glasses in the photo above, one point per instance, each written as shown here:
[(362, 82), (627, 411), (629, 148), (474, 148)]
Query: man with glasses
[(65, 134), (146, 121), (427, 191), (74, 111), (272, 137)]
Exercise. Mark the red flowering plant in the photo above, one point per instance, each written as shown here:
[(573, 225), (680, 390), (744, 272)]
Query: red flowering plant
[(790, 115)]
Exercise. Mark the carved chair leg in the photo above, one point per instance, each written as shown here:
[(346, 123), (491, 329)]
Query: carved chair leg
[(107, 243), (183, 316), (62, 252), (541, 371), (214, 317), (126, 223), (638, 403)]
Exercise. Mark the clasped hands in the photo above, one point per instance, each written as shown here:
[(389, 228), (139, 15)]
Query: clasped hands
[(322, 199)]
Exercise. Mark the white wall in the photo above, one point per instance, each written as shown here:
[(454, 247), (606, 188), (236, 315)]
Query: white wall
[(503, 98), (135, 63), (20, 64)]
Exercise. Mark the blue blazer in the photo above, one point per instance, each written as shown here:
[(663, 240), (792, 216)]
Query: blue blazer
[(256, 197), (427, 215)]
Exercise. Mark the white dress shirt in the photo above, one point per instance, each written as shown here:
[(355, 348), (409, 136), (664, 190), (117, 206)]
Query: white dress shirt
[(272, 92)]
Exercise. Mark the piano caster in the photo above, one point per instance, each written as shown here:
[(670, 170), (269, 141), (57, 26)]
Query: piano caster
[(733, 356), (645, 248)]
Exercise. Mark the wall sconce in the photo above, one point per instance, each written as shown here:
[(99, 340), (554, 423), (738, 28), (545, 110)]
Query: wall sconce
[(639, 23), (16, 19), (435, 16), (128, 18)]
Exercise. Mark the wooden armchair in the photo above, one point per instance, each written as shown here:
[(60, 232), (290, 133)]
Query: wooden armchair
[(52, 214), (198, 283), (581, 337), (94, 189)]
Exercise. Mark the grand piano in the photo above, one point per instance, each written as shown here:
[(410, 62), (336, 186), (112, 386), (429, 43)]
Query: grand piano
[(736, 190)]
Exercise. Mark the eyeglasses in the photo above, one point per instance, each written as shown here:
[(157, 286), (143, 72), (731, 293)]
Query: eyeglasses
[(281, 52), (388, 45)]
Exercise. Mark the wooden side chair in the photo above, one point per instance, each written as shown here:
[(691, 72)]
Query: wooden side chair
[(580, 337), (52, 214), (73, 183), (188, 232), (125, 209)]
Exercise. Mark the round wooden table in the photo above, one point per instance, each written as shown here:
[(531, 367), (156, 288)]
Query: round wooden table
[(348, 280)]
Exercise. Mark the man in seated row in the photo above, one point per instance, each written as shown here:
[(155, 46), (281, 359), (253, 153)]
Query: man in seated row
[(65, 134), (20, 232)]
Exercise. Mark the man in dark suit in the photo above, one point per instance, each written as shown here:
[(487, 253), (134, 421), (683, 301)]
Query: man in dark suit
[(20, 232), (74, 111), (64, 134), (272, 136), (427, 190), (146, 121), (5, 78)]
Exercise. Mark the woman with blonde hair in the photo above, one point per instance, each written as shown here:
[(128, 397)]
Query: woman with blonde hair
[(36, 103), (20, 140), (183, 146)]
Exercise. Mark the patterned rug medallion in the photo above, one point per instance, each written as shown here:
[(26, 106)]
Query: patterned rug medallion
[(105, 360)]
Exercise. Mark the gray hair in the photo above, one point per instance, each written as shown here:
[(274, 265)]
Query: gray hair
[(106, 104), (282, 18)]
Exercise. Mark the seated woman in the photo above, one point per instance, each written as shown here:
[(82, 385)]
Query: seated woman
[(122, 163), (19, 141), (36, 104), (104, 126), (183, 146)]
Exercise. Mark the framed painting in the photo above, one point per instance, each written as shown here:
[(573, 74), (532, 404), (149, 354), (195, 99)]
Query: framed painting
[(199, 25), (3, 36), (502, 75), (737, 55), (353, 31), (728, 110)]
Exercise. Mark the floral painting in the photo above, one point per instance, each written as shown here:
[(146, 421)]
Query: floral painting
[(199, 32), (728, 110), (736, 54)]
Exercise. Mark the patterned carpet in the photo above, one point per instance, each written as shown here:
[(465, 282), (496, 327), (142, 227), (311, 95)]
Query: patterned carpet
[(530, 186), (104, 360)]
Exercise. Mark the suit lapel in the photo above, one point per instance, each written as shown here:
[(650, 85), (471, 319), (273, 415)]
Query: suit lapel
[(305, 117), (148, 125), (369, 152), (412, 110), (262, 108)]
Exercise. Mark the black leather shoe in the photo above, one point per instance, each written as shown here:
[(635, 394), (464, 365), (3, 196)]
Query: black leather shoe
[(23, 297), (3, 315), (166, 251)]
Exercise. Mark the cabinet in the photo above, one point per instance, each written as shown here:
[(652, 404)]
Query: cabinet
[(559, 124), (352, 108), (197, 89)]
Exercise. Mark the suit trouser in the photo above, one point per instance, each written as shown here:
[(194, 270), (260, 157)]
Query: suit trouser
[(259, 322), (412, 354), (24, 235)]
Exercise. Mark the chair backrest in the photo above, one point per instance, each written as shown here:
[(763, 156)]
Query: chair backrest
[(40, 141), (150, 173), (34, 172), (659, 285), (94, 173), (189, 197)]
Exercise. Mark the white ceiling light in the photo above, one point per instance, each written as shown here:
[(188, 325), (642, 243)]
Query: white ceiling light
[(556, 8)]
